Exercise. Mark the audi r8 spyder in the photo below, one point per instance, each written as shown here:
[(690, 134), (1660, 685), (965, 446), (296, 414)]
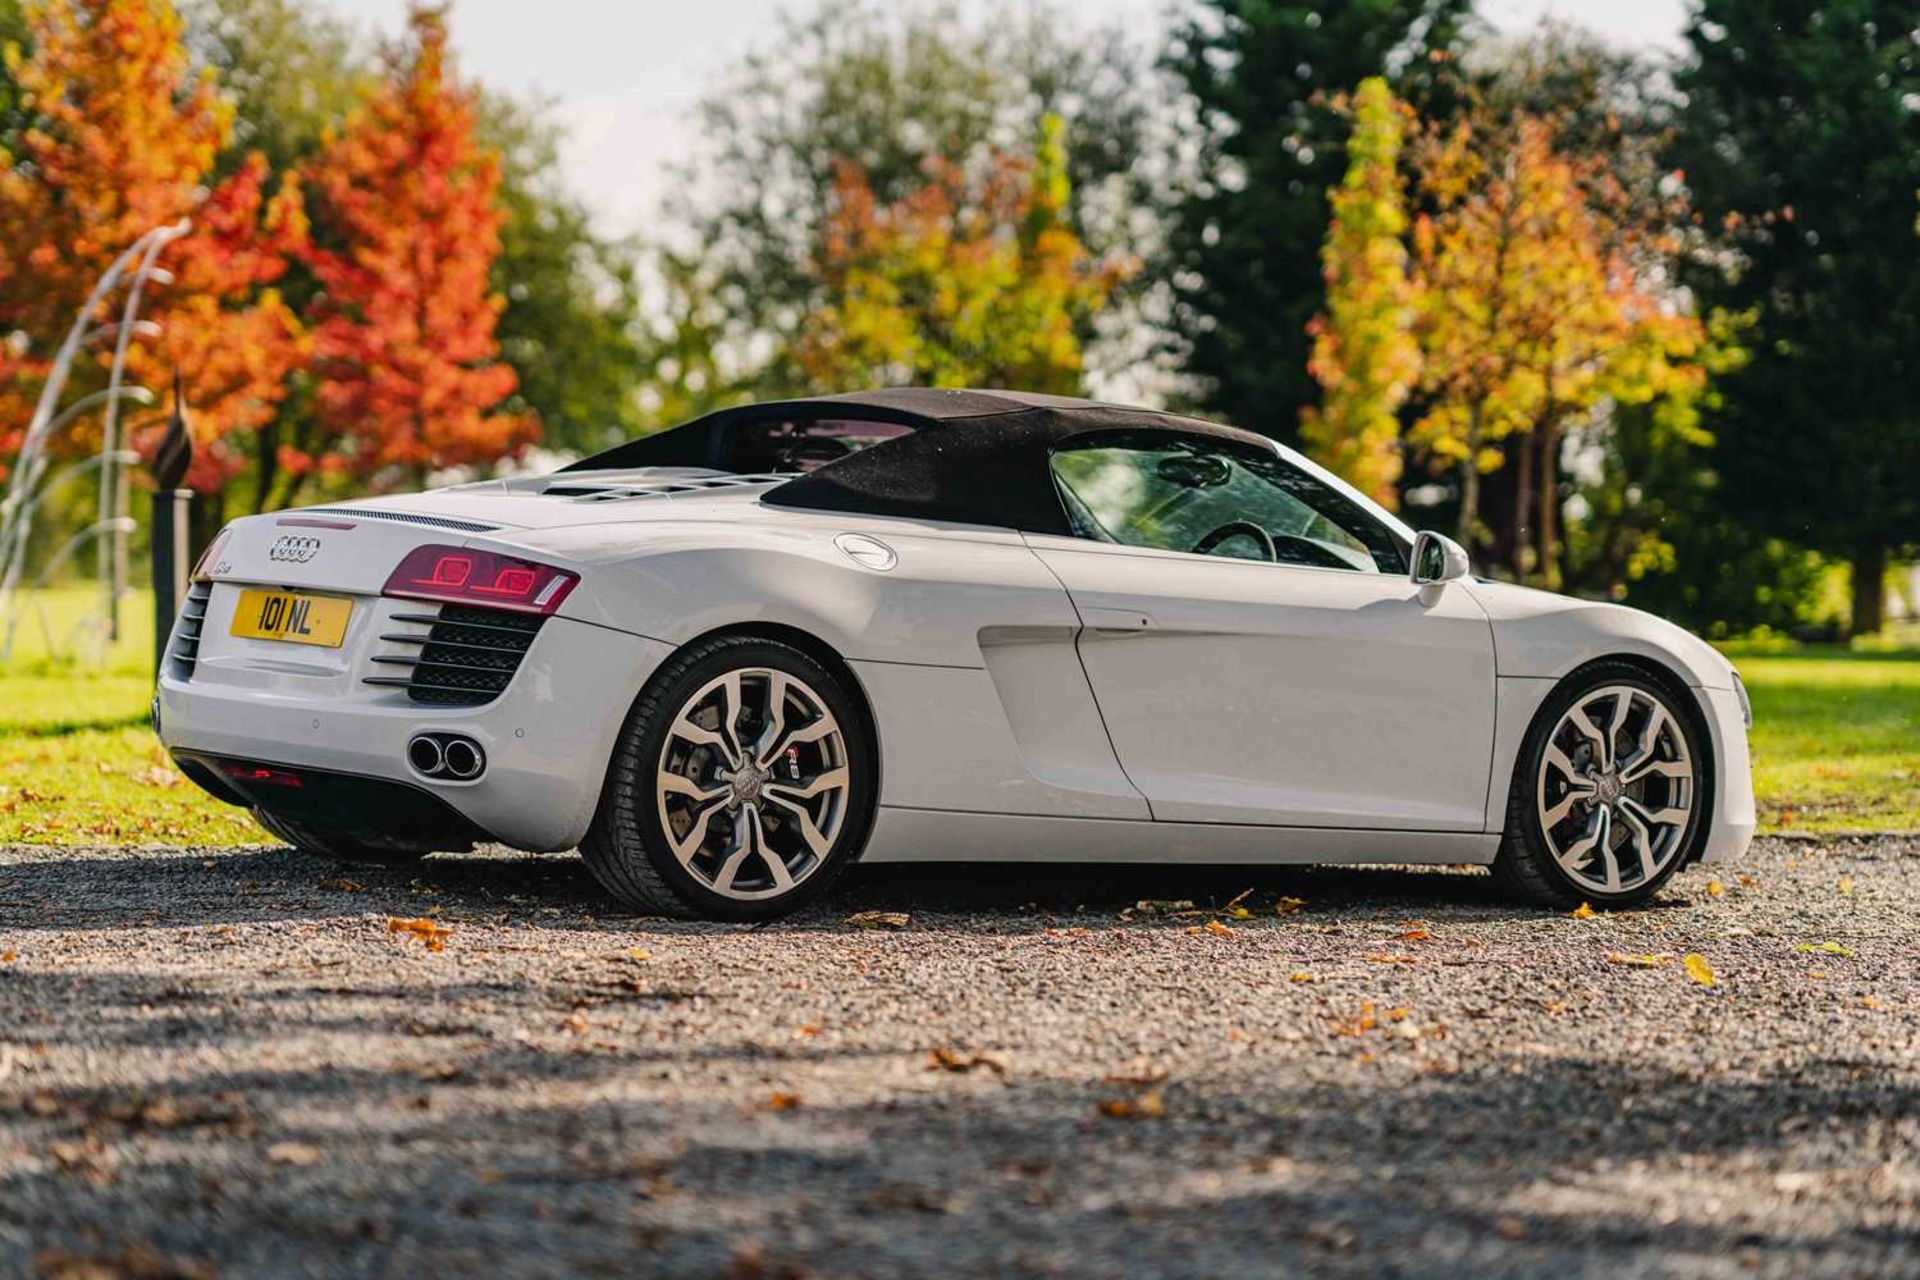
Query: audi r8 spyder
[(727, 660)]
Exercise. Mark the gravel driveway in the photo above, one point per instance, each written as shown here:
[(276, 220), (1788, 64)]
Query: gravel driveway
[(244, 1063)]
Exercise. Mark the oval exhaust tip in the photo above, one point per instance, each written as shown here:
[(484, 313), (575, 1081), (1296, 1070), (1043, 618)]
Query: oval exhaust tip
[(464, 760), (424, 754)]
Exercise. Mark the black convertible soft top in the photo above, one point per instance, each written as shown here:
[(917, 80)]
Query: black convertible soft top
[(971, 457)]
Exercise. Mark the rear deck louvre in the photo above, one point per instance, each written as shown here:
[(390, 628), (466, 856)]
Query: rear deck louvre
[(185, 652), (467, 656)]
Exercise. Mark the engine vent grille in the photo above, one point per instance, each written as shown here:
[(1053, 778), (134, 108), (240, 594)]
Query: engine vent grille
[(664, 487), (186, 630), (466, 656)]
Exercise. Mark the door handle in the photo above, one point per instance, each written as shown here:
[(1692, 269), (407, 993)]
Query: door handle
[(1116, 619)]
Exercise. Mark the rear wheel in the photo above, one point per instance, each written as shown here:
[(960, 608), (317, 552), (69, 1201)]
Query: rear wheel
[(1610, 794), (741, 786), (333, 845)]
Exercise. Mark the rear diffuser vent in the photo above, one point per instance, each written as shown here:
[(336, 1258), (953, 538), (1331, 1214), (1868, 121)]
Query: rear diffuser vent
[(466, 657)]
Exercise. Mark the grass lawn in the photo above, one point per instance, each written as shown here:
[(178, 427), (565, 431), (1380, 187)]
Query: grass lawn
[(1836, 739), (1836, 742)]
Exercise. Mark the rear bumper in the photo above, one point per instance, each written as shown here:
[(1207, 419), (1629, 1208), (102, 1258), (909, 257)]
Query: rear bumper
[(547, 738)]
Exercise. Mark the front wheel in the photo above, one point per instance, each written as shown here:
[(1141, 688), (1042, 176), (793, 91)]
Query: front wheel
[(1610, 795), (741, 786)]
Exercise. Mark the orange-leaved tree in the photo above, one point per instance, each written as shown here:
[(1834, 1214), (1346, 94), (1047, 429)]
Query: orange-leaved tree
[(124, 137), (1364, 354), (1533, 312), (969, 280), (405, 227)]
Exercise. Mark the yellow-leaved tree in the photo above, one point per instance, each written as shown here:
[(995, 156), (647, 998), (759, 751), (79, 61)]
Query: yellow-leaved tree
[(1534, 310), (1364, 354), (967, 281)]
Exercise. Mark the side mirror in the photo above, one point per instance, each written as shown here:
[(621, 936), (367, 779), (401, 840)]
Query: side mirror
[(1437, 558)]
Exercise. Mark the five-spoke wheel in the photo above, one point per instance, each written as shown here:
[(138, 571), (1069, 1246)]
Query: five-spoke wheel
[(740, 786), (1606, 801)]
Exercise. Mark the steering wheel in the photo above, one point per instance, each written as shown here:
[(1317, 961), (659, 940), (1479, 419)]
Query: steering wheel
[(1238, 529)]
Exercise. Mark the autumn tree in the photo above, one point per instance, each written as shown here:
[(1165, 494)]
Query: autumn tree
[(1532, 315), (962, 282), (1262, 80), (120, 136), (1364, 355), (906, 93), (406, 227)]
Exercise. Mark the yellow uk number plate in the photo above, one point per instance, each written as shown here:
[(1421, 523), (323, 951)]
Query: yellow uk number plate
[(295, 618)]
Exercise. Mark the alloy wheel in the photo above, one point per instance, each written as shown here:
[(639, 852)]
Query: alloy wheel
[(753, 784), (1616, 790)]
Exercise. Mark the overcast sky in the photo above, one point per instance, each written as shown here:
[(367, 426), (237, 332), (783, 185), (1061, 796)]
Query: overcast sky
[(625, 72)]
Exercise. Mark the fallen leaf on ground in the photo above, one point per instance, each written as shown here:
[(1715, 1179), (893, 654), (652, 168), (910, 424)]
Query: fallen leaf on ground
[(1825, 949), (430, 932), (1162, 906), (1239, 898), (1869, 1002), (1142, 1107), (1289, 906), (340, 884), (7, 957), (807, 1029), (880, 919), (1387, 957), (1301, 975), (1639, 961), (779, 1101), (639, 955), (1715, 889), (1846, 884), (294, 1153), (1359, 1024), (945, 1059), (1138, 1072), (1582, 912), (1213, 927), (1698, 969)]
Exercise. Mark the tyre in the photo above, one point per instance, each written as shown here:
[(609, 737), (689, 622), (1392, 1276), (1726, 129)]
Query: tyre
[(1611, 793), (741, 785), (333, 845)]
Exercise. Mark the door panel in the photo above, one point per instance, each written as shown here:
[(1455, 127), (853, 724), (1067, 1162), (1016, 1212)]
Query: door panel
[(1247, 692)]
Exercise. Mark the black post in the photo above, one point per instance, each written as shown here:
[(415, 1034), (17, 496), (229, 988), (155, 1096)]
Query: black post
[(172, 527), (171, 562)]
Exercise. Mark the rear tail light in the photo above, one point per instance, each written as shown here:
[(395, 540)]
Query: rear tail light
[(203, 567), (463, 575)]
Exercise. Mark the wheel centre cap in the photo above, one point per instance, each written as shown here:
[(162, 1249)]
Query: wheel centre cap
[(748, 784), (1608, 789)]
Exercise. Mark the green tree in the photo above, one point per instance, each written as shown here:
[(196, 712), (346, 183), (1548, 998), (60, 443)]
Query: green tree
[(1364, 354), (1243, 235), (571, 327), (1801, 144), (890, 91)]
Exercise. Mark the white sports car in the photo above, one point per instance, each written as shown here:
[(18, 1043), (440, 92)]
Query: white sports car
[(728, 660)]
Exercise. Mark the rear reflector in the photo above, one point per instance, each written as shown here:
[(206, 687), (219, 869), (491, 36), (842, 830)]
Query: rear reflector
[(463, 575), (257, 775)]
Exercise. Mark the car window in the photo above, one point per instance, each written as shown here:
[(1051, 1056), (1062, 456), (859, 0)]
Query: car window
[(784, 444), (1219, 498)]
